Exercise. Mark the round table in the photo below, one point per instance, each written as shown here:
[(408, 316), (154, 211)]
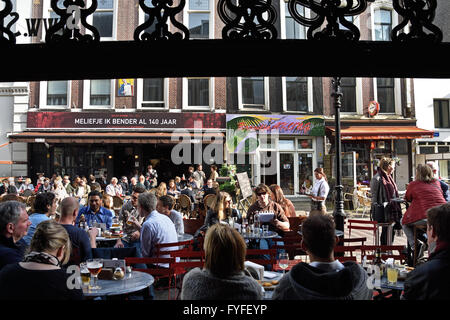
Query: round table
[(132, 282), (268, 235)]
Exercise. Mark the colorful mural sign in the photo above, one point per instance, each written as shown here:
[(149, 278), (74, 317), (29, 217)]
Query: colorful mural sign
[(242, 129)]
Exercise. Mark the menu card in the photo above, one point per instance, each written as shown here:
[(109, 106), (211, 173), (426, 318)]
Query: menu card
[(266, 216)]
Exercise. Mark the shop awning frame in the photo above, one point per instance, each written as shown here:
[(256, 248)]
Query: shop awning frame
[(381, 132), (117, 137)]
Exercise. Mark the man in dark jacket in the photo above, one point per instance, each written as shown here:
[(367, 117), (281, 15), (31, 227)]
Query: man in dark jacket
[(431, 280), (324, 278)]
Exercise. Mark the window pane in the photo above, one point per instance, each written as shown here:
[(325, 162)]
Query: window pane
[(305, 144), (57, 93), (348, 88), (199, 25), (445, 117), (100, 92), (286, 145), (198, 92), (103, 21), (253, 90), (293, 29), (105, 4), (385, 90), (297, 93), (383, 25), (153, 90), (199, 5)]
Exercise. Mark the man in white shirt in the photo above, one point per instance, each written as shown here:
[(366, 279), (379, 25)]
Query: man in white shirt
[(165, 206), (114, 189)]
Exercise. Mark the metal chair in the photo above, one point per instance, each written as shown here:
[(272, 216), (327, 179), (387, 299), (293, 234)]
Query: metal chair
[(357, 224)]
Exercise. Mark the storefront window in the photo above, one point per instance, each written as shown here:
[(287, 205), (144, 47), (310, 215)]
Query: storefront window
[(268, 167), (305, 144), (286, 145), (305, 170), (287, 173)]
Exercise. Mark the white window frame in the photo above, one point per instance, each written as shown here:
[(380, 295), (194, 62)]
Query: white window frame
[(266, 106), (386, 5), (87, 96), (90, 18), (211, 13), (186, 92), (283, 19), (140, 96), (309, 98), (43, 86), (46, 8)]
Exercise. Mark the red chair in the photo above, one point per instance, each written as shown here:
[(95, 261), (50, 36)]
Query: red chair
[(255, 256), (175, 246), (356, 224), (157, 273), (346, 249), (386, 252), (185, 261)]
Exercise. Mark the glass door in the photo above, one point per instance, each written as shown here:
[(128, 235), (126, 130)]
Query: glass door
[(287, 173), (305, 170)]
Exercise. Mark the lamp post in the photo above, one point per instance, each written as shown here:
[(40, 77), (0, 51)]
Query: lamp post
[(338, 214)]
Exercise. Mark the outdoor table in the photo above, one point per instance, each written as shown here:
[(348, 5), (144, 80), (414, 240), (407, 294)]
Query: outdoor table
[(251, 236), (185, 237), (132, 282), (269, 293), (396, 289)]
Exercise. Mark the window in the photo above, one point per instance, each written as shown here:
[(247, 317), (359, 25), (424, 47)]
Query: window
[(383, 24), (57, 93), (199, 15), (252, 93), (296, 93), (197, 93), (50, 18), (348, 88), (153, 93), (441, 114), (294, 30), (98, 94), (103, 19), (385, 94)]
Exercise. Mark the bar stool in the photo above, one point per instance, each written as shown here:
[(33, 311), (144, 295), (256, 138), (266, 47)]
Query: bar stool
[(422, 225)]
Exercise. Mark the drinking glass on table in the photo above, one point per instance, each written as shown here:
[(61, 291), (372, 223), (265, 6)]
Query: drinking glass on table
[(392, 274), (283, 261), (265, 229), (95, 266), (85, 274)]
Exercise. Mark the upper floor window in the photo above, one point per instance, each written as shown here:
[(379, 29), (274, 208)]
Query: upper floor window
[(98, 94), (383, 24), (294, 30), (253, 93), (296, 93), (198, 93), (348, 89), (199, 19), (103, 19), (153, 93), (386, 94), (54, 94), (441, 114)]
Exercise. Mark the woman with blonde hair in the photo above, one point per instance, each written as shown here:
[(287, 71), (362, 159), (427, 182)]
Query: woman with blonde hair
[(40, 276), (221, 210), (424, 193), (285, 203), (26, 186), (59, 189), (161, 190), (223, 275)]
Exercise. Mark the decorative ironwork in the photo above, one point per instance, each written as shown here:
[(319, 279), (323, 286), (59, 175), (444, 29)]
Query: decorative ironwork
[(419, 14), (11, 37), (334, 11), (161, 11), (249, 19), (70, 18)]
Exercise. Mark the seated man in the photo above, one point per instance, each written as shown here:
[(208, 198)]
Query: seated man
[(324, 278), (208, 188), (165, 206), (14, 224), (45, 206), (431, 280), (95, 212), (82, 242)]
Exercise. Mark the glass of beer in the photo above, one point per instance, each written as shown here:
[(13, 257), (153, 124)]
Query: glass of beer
[(130, 220), (95, 266), (392, 274), (85, 274)]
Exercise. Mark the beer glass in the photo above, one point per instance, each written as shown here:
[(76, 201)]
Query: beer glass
[(95, 266), (85, 274)]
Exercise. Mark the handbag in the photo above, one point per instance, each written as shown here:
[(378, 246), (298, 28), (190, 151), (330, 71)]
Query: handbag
[(381, 212)]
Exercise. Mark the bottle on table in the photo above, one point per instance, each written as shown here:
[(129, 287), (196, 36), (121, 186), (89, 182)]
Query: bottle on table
[(378, 261)]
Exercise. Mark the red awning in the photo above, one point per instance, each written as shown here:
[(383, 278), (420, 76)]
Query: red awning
[(115, 137), (381, 132)]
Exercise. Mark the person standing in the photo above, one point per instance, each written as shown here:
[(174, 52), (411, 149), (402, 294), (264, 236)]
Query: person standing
[(14, 224), (424, 193), (383, 189), (44, 207), (214, 175), (199, 176), (151, 176), (319, 192)]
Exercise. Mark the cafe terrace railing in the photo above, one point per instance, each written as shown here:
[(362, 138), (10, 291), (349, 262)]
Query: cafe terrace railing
[(250, 43)]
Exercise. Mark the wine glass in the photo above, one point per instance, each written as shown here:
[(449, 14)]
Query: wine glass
[(283, 261), (95, 266)]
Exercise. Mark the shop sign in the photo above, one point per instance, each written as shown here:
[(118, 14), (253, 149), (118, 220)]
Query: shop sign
[(242, 129), (123, 120)]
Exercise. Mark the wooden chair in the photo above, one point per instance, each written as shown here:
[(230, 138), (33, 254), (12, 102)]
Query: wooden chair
[(30, 201), (356, 224), (364, 201), (192, 225), (185, 205), (295, 223), (27, 192), (348, 253), (208, 200), (117, 203), (343, 241), (386, 252), (157, 273)]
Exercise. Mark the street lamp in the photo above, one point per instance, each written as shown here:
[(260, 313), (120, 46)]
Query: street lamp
[(338, 213)]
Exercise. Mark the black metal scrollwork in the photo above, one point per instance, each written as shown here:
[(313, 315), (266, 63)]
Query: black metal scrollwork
[(334, 11), (70, 18), (247, 19), (419, 14), (11, 37), (159, 14)]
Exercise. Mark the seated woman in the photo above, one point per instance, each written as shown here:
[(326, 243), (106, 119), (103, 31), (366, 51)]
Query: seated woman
[(423, 193), (285, 203), (221, 211), (161, 190), (173, 190), (222, 276), (39, 276)]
